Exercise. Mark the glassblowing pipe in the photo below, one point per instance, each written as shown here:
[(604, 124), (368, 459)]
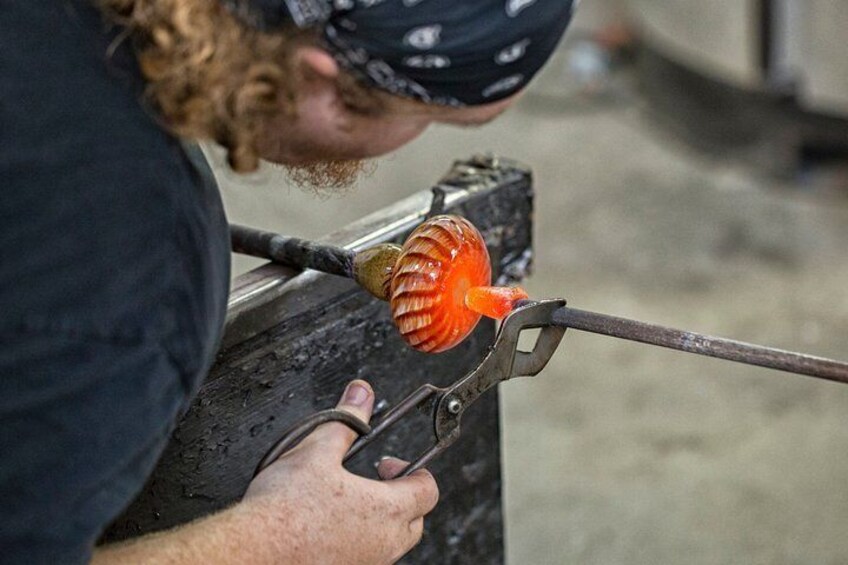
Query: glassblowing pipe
[(373, 267), (291, 251)]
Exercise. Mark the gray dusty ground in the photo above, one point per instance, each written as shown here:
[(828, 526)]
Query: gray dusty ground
[(622, 453)]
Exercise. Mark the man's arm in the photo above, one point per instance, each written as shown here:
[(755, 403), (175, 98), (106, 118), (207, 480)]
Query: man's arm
[(305, 508)]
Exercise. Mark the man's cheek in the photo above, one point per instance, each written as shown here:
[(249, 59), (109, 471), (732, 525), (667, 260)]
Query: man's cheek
[(388, 139)]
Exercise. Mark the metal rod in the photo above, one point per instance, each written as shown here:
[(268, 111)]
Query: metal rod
[(711, 346), (291, 251)]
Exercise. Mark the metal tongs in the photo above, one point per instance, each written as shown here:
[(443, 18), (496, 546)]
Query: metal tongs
[(447, 404), (504, 361)]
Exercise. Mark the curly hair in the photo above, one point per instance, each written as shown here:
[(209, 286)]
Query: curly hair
[(212, 77)]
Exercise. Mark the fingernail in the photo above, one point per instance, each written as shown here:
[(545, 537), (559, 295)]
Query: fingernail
[(379, 461), (356, 394)]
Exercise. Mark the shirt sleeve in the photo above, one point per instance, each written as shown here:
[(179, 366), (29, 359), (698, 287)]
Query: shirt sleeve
[(82, 422)]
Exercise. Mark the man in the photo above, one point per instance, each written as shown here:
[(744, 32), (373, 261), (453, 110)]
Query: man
[(115, 260)]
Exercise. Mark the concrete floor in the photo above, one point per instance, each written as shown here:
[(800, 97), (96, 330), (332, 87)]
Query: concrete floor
[(626, 454)]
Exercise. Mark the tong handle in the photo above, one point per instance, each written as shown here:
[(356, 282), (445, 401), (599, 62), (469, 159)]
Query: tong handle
[(295, 434), (368, 434), (423, 395)]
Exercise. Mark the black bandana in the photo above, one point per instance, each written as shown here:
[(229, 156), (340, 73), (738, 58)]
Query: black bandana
[(449, 52)]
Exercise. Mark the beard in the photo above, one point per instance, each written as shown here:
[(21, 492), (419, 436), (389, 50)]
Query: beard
[(329, 178)]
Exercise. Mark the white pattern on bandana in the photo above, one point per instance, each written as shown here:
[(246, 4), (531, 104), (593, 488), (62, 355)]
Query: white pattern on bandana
[(427, 62), (396, 48), (382, 74), (502, 85), (424, 37), (512, 53), (514, 7)]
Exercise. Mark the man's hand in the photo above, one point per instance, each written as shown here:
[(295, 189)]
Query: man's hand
[(341, 517), (305, 508)]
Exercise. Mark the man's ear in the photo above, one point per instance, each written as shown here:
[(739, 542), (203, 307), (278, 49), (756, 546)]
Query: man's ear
[(314, 62), (319, 102)]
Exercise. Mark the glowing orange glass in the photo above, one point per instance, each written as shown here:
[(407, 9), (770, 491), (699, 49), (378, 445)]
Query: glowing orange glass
[(440, 285)]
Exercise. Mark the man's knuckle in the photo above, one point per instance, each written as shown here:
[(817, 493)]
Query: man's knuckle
[(422, 498), (414, 534), (428, 493), (416, 528), (434, 496), (396, 511)]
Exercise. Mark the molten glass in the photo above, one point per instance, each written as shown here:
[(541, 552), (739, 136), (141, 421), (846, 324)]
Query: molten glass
[(494, 301), (442, 259)]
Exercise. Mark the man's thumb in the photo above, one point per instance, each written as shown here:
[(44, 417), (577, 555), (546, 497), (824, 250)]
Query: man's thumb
[(335, 437)]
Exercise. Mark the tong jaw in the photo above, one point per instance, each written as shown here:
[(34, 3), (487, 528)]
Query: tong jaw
[(503, 362)]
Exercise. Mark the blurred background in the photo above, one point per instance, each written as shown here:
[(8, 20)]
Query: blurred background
[(691, 169)]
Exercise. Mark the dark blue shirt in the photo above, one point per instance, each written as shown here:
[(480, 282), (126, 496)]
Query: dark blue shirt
[(114, 268)]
